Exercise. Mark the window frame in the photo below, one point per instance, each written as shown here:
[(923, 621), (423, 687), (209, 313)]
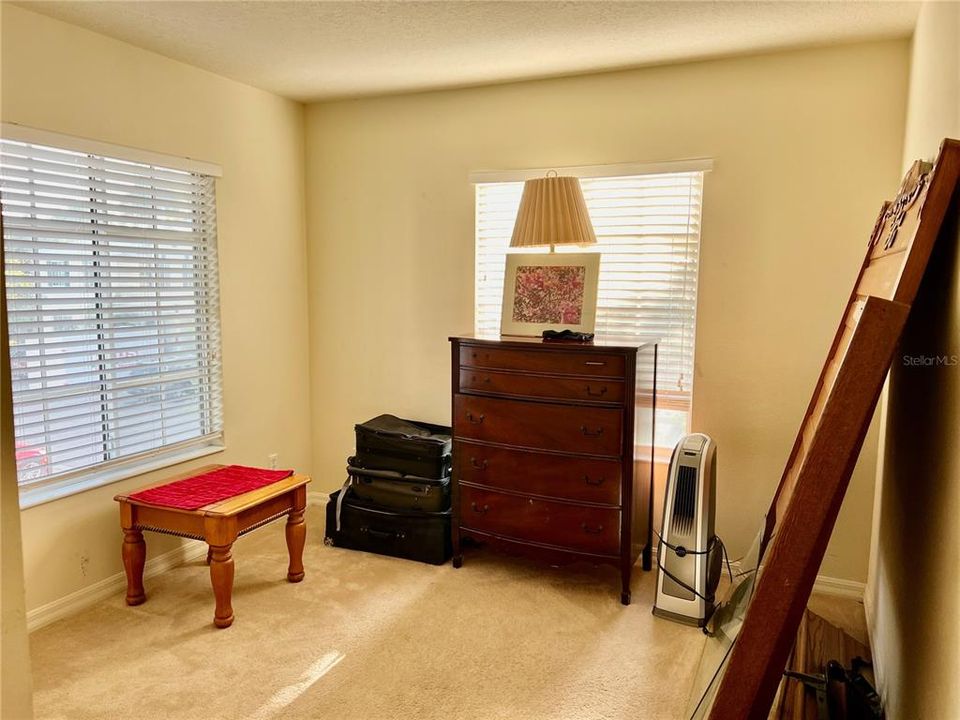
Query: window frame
[(670, 400), (69, 482)]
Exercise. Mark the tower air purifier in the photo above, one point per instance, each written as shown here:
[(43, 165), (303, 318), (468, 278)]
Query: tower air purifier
[(689, 555)]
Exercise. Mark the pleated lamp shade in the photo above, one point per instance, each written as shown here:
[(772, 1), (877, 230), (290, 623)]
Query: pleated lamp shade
[(552, 212)]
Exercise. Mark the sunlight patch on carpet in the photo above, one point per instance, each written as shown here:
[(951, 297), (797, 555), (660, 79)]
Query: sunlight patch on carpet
[(286, 695)]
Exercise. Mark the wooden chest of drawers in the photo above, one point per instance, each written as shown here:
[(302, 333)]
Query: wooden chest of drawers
[(553, 449)]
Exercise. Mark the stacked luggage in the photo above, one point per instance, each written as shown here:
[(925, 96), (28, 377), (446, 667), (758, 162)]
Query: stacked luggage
[(396, 500)]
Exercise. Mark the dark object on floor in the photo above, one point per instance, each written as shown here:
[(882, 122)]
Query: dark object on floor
[(396, 491), (414, 448), (816, 686), (862, 699), (409, 534), (841, 694), (566, 336)]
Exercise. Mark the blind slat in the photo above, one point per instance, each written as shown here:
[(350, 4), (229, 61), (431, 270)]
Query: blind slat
[(73, 407)]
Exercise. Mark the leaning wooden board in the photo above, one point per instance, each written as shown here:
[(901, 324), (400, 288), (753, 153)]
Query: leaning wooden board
[(805, 506)]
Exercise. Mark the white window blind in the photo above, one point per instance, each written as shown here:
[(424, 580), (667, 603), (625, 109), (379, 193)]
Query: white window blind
[(648, 234), (112, 292)]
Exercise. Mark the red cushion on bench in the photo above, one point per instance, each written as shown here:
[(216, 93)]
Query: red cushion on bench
[(195, 492)]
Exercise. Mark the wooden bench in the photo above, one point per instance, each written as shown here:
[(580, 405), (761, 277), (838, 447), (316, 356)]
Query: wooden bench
[(219, 525)]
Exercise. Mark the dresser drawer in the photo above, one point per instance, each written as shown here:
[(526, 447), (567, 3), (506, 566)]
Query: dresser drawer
[(575, 429), (570, 478), (589, 529), (544, 361), (600, 390)]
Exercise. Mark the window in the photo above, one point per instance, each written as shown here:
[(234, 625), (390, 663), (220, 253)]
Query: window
[(112, 301), (648, 234)]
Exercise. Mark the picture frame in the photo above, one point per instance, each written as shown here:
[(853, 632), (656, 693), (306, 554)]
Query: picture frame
[(555, 291)]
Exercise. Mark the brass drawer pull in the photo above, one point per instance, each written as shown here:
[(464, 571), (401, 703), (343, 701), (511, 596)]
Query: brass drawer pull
[(482, 465), (595, 363), (589, 433), (591, 530), (477, 509), (475, 419), (591, 393), (596, 483), (485, 381)]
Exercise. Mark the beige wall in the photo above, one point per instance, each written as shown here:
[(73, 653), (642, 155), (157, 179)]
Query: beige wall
[(16, 701), (59, 77), (912, 595), (806, 144)]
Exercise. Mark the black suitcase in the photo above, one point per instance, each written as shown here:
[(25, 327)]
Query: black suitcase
[(397, 491), (406, 534), (413, 448)]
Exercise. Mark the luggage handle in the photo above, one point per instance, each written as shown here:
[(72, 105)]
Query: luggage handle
[(482, 465), (477, 509), (591, 393), (398, 535), (475, 419), (406, 436), (591, 530), (400, 435), (596, 483), (588, 433)]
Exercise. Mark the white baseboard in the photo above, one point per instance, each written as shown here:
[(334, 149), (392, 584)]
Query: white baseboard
[(92, 594), (838, 587)]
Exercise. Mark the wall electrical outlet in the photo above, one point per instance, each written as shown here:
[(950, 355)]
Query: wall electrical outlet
[(272, 459)]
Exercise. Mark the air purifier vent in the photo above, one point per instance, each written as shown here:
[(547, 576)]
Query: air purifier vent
[(685, 500)]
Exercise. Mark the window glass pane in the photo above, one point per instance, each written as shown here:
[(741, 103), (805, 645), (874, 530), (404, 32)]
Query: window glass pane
[(648, 234)]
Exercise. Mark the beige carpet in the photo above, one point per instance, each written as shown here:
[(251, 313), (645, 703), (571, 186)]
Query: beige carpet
[(364, 637)]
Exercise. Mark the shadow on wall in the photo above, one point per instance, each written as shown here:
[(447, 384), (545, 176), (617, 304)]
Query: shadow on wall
[(921, 476)]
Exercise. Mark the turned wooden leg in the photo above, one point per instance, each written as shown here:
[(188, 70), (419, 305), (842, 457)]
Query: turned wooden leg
[(134, 554), (296, 537), (221, 577)]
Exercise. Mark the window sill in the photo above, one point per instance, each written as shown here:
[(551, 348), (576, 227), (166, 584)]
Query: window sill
[(41, 494)]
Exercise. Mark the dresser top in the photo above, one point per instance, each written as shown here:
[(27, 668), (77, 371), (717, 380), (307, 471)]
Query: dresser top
[(605, 342)]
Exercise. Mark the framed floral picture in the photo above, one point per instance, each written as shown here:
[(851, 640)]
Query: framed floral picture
[(549, 292)]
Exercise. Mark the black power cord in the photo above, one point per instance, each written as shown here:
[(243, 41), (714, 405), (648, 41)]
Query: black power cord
[(680, 551)]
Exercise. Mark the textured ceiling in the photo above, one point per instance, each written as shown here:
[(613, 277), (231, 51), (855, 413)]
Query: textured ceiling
[(321, 50)]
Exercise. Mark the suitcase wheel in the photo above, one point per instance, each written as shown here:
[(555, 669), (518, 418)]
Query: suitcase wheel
[(328, 541)]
